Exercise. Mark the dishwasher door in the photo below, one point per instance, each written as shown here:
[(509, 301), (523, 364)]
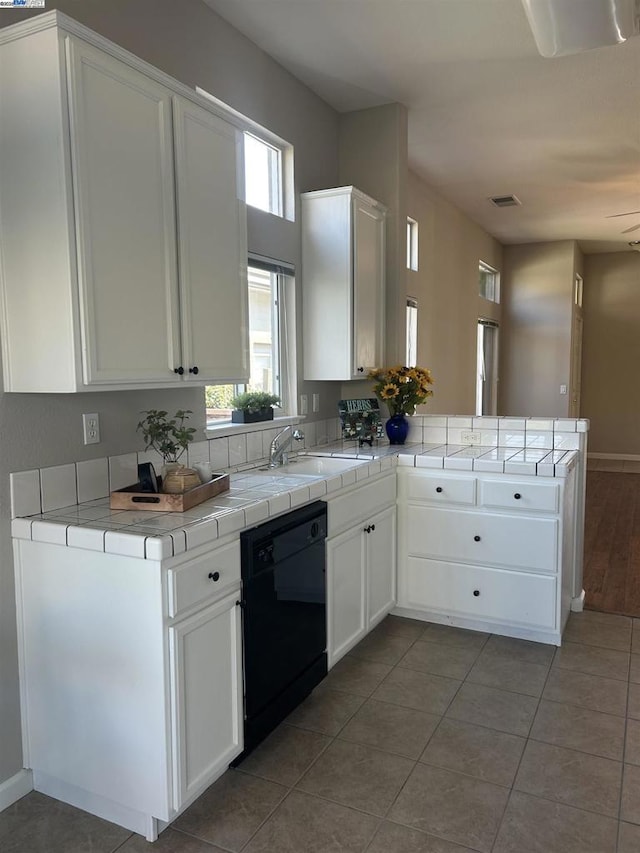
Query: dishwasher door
[(284, 615)]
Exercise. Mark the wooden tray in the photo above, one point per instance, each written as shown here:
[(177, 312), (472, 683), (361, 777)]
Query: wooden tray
[(131, 498)]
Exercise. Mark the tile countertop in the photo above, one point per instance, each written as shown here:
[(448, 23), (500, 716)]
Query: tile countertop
[(254, 497)]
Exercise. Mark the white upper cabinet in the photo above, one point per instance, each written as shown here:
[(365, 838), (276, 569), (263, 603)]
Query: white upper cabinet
[(343, 280), (122, 221)]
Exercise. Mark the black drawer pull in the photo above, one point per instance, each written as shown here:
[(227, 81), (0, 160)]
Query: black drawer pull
[(476, 592), (178, 370), (194, 370), (517, 496), (373, 527), (476, 538), (438, 489), (214, 576)]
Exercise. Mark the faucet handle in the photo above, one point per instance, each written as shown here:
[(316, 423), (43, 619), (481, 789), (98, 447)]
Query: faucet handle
[(298, 435)]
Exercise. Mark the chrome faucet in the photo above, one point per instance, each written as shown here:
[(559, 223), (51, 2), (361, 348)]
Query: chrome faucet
[(280, 443)]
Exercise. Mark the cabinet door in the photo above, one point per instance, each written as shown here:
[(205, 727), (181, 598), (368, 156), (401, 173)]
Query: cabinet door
[(122, 155), (206, 670), (212, 246), (346, 593), (368, 287), (381, 565)]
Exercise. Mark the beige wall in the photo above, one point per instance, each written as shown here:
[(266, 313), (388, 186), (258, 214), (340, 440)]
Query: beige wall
[(611, 352), (538, 280), (187, 40), (450, 247)]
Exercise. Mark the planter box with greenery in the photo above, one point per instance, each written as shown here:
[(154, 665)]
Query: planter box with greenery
[(253, 406)]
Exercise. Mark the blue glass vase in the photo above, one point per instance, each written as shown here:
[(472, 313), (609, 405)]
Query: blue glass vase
[(397, 428)]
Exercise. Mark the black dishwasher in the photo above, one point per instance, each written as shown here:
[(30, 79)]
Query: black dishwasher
[(284, 616)]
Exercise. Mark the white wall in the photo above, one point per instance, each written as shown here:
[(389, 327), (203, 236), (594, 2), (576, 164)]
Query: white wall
[(187, 40)]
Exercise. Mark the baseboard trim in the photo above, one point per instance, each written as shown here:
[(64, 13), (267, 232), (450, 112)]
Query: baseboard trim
[(619, 457), (15, 788), (577, 604)]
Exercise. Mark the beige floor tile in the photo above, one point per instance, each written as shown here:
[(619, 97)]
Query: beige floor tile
[(630, 810), (521, 650), (356, 775), (382, 648), (231, 810), (632, 742), (417, 690), (412, 628), (39, 824), (452, 806), (455, 636), (392, 728), (592, 660), (285, 755), (497, 709), (599, 629), (579, 728), (635, 636), (570, 777), (515, 675), (306, 824), (475, 750), (168, 841), (352, 675), (325, 711), (634, 669), (394, 838), (440, 659), (587, 691), (633, 708), (629, 838), (534, 825)]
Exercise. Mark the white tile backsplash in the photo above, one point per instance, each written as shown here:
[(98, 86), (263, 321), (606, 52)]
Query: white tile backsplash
[(58, 487), (92, 479), (197, 453), (566, 441), (434, 434), (254, 446), (237, 449), (539, 438), (25, 493), (123, 471), (219, 453)]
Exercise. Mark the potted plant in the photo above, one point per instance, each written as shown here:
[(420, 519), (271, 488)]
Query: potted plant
[(168, 436), (402, 389), (253, 406)]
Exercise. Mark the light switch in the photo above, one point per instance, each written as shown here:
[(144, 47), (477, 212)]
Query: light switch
[(563, 389), (304, 404), (316, 402)]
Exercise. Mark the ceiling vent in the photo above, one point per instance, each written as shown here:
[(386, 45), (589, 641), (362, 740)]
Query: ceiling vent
[(505, 201)]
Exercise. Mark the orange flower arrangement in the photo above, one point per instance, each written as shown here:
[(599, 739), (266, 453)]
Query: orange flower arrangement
[(402, 388)]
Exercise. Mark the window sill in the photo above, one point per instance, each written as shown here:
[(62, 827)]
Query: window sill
[(227, 428)]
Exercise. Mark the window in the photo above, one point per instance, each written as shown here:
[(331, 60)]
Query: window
[(411, 358), (412, 244), (489, 282), (263, 175), (267, 282), (487, 371)]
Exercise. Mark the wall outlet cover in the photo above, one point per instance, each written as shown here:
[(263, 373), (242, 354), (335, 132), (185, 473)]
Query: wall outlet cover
[(471, 437)]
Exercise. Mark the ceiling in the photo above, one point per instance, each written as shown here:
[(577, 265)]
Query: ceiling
[(487, 115)]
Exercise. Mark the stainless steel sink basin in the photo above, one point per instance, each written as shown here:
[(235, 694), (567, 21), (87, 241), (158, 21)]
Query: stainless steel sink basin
[(315, 466)]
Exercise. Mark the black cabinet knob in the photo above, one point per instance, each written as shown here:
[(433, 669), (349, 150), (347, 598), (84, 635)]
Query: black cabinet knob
[(476, 592), (517, 496), (178, 370), (214, 576), (438, 489), (476, 538), (361, 370), (194, 370), (373, 527), (367, 529)]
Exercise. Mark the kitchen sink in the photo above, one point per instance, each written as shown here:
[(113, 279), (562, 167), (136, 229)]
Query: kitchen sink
[(316, 466)]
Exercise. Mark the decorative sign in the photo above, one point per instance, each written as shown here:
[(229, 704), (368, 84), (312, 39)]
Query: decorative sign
[(360, 420)]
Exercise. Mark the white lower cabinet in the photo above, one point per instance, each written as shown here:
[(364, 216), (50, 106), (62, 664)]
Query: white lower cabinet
[(206, 688), (503, 563), (360, 567), (129, 712)]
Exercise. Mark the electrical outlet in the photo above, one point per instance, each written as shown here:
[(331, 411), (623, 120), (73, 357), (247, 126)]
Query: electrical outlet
[(471, 437), (563, 389), (304, 404), (91, 428), (316, 402)]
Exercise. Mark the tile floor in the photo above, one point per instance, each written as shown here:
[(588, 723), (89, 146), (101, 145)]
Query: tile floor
[(425, 739)]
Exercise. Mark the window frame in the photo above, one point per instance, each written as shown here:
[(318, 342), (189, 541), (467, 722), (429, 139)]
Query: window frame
[(275, 177), (412, 244), (411, 324), (495, 278)]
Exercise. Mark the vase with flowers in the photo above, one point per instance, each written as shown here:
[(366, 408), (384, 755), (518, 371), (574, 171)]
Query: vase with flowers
[(402, 389)]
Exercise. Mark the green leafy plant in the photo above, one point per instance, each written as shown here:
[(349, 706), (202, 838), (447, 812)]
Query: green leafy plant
[(169, 436), (255, 401)]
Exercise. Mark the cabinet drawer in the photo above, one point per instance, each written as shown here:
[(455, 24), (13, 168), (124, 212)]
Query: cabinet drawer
[(204, 578), (520, 495), (521, 542), (480, 593), (439, 488), (347, 510)]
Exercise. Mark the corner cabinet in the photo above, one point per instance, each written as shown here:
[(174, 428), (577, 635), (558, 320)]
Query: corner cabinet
[(361, 551), (131, 677), (122, 226), (343, 283)]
